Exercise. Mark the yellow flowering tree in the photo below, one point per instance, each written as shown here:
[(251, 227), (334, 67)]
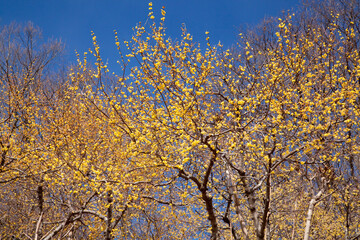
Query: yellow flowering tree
[(230, 133), (192, 141)]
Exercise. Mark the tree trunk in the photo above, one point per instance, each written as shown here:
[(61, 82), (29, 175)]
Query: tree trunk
[(233, 194), (312, 204)]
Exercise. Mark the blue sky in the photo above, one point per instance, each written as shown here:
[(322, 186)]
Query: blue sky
[(73, 20)]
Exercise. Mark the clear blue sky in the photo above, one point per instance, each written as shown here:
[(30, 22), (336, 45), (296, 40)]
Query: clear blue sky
[(72, 20)]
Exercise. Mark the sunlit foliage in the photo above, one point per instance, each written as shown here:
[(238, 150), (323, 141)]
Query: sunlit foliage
[(188, 141)]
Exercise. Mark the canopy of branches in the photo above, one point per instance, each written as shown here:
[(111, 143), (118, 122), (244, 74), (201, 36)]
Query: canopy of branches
[(187, 142)]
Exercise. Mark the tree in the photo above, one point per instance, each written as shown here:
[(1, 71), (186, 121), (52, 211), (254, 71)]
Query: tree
[(335, 23), (24, 60), (238, 131), (197, 143)]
